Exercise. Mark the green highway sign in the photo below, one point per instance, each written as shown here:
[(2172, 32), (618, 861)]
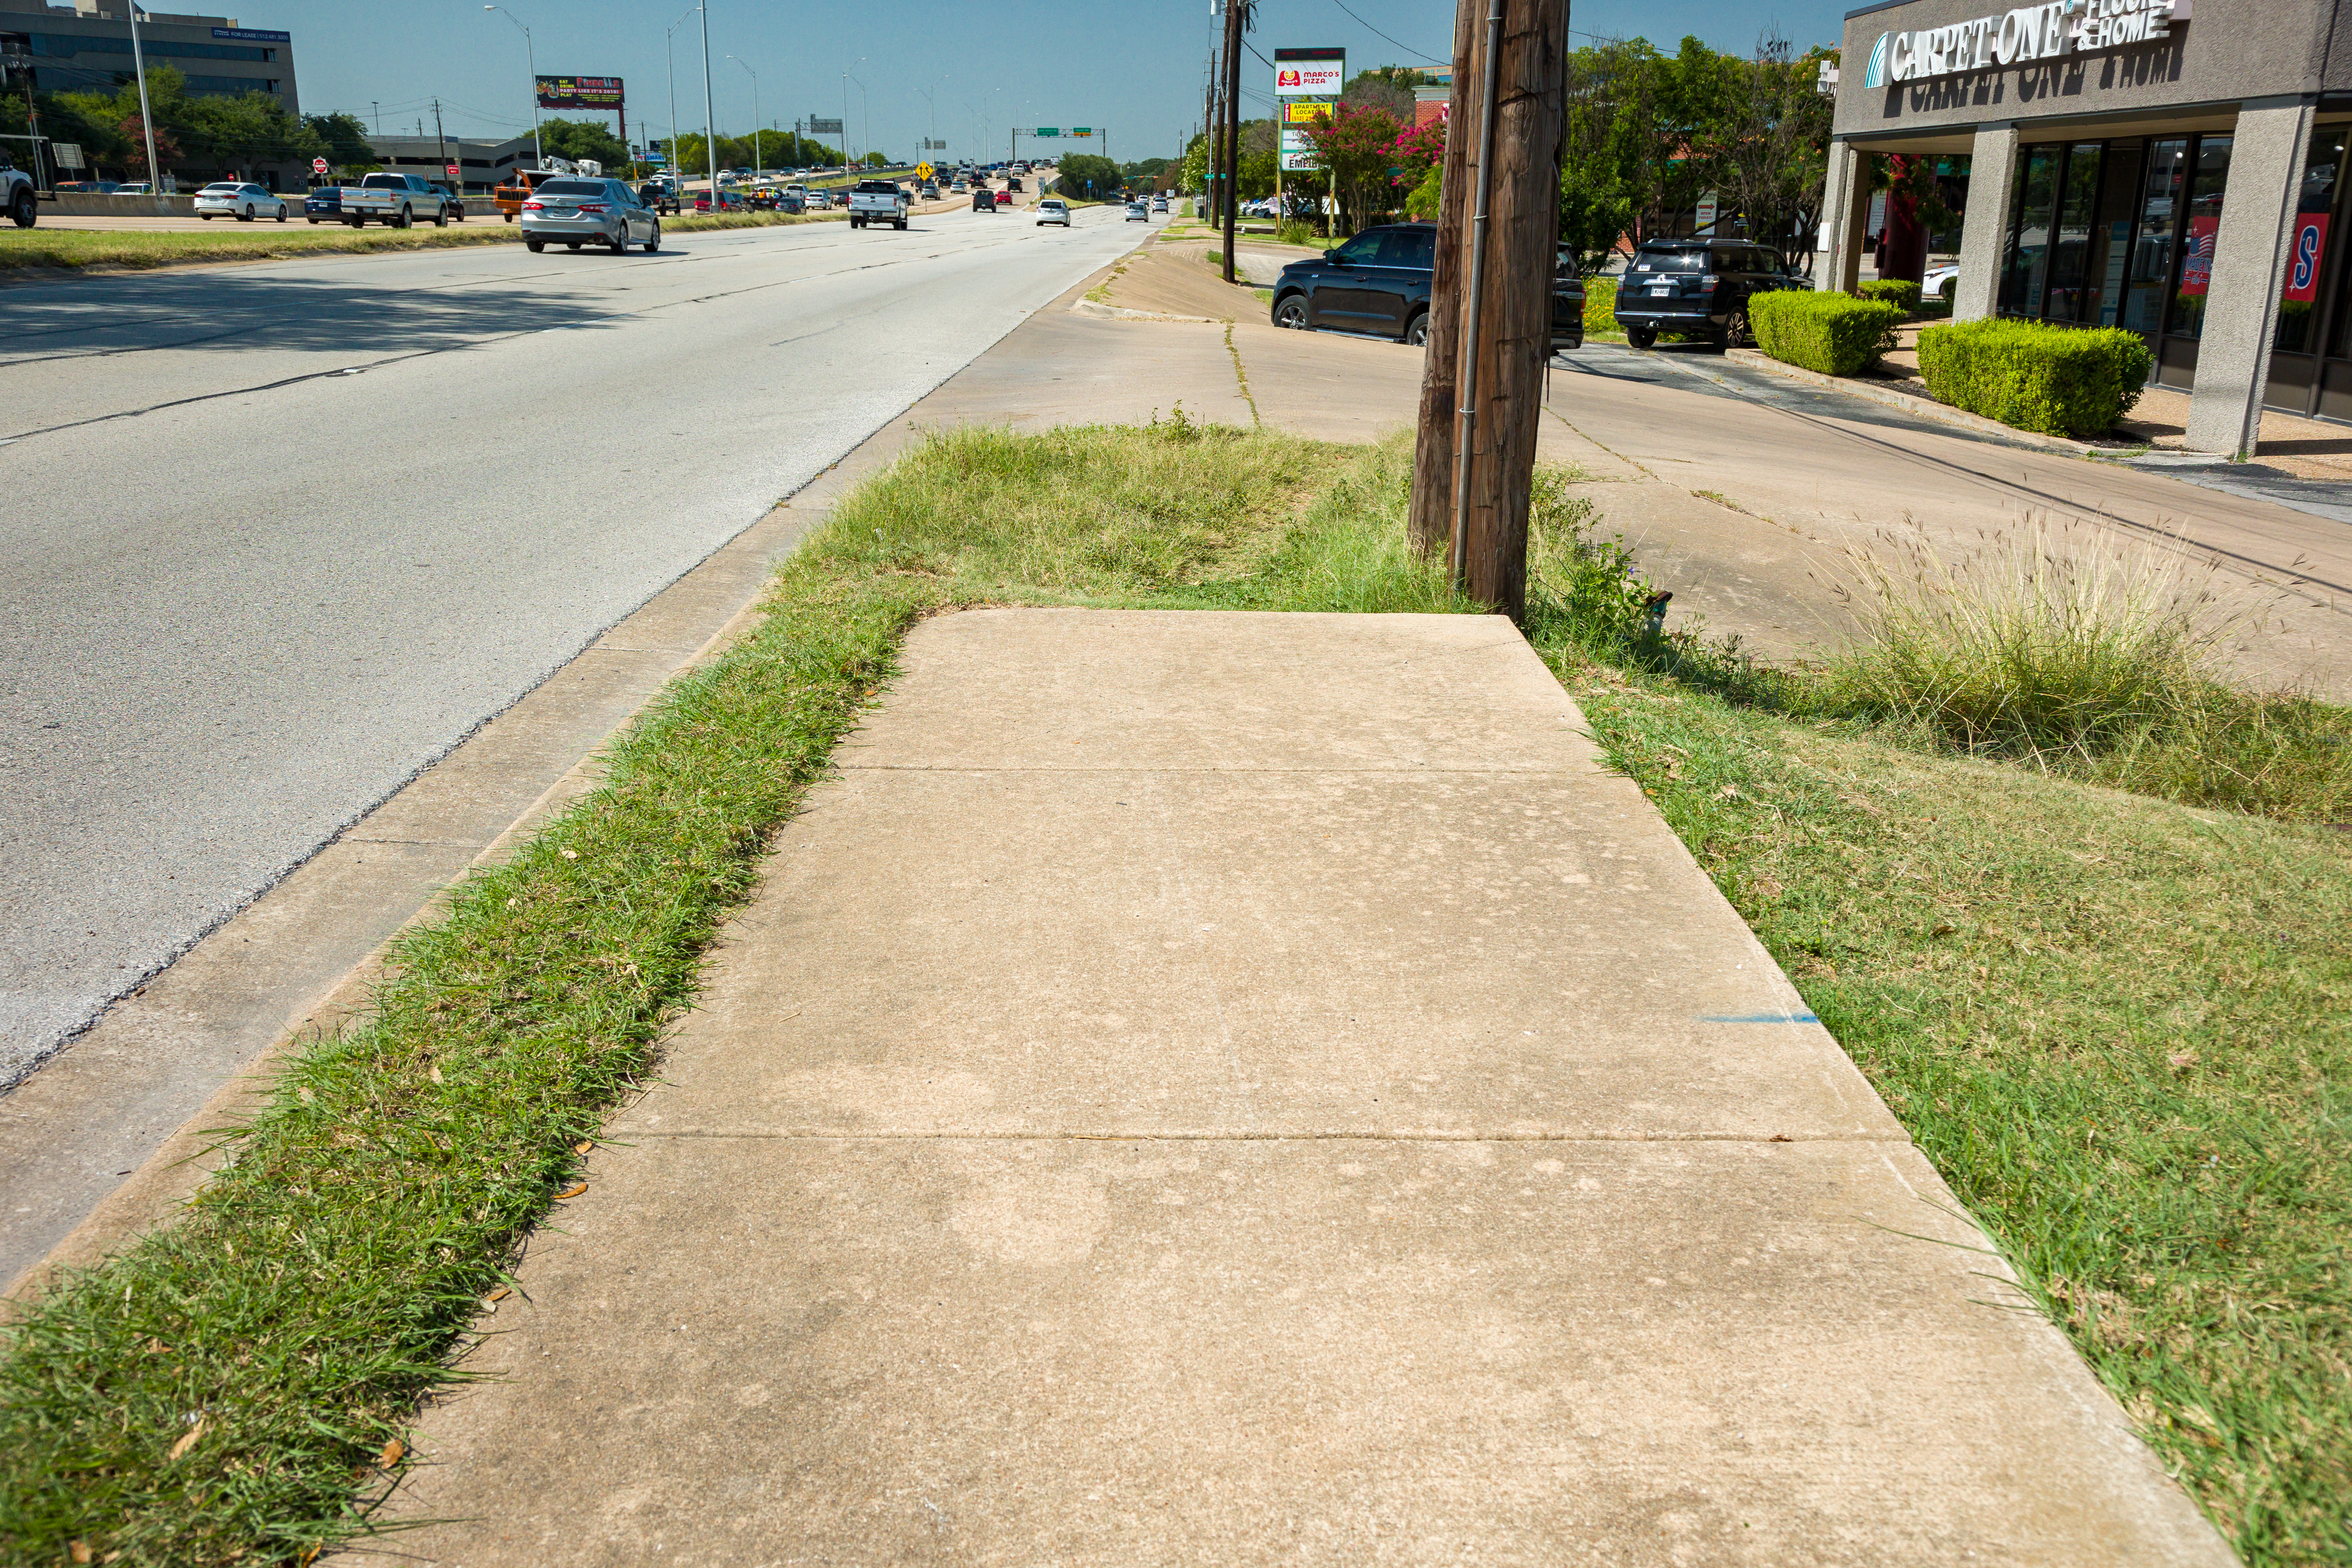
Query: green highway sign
[(1047, 130), (1082, 130)]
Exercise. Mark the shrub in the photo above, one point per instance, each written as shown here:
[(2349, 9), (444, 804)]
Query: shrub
[(2059, 381), (1600, 306), (1833, 333), (1900, 292)]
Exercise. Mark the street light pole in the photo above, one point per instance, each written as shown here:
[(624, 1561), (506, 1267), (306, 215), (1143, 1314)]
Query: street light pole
[(845, 109), (532, 60), (669, 71), (710, 123), (146, 117), (759, 158)]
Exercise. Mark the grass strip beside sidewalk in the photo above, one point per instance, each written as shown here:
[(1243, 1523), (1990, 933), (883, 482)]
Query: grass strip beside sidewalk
[(73, 248), (2122, 1028)]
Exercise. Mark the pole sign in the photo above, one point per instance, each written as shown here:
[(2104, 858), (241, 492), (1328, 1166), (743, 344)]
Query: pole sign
[(451, 170), (2048, 32), (67, 153), (580, 93), (1309, 73), (318, 165), (1306, 83)]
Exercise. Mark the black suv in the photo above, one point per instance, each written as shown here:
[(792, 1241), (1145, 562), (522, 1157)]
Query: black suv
[(1379, 282), (1696, 285)]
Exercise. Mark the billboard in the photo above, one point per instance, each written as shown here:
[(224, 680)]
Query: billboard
[(1309, 73), (580, 93)]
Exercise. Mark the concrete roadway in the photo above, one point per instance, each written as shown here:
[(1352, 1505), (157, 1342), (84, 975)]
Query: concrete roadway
[(281, 535)]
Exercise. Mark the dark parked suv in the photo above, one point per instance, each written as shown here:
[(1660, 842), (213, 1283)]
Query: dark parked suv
[(1379, 282), (1699, 287)]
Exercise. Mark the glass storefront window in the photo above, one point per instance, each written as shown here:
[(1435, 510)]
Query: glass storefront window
[(2159, 221), (2204, 221), (2111, 236), (2070, 251), (2307, 246), (2026, 266)]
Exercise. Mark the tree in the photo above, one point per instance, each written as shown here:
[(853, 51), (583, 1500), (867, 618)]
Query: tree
[(249, 128), (1358, 147), (1086, 175), (1768, 152), (343, 138), (876, 160), (578, 139), (1420, 152), (134, 137), (1388, 88)]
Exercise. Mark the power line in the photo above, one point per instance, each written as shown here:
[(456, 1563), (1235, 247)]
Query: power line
[(1408, 48)]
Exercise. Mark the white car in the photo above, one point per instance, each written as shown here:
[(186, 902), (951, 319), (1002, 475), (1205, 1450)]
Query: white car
[(1944, 282), (243, 202), (1054, 209)]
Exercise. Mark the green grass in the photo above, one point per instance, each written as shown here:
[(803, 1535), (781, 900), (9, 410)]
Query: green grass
[(74, 248), (2118, 1025), (2121, 1028), (71, 248)]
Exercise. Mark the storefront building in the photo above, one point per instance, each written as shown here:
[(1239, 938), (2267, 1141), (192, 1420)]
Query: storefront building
[(2130, 165)]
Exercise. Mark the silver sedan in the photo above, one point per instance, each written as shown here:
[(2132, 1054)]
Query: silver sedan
[(575, 212)]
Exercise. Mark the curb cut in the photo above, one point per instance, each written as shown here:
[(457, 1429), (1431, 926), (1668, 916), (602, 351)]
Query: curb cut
[(1121, 313)]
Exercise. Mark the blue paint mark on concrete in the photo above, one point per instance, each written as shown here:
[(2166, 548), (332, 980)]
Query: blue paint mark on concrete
[(1761, 1018)]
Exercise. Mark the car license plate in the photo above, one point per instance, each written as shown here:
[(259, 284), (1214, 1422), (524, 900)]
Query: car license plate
[(1662, 288)]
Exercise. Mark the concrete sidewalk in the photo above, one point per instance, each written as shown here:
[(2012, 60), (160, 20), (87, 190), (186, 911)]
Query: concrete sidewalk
[(1250, 1088)]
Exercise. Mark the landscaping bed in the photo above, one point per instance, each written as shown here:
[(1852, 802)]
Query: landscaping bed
[(2120, 1025)]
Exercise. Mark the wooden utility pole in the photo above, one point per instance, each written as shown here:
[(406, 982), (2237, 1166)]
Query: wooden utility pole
[(1213, 201), (1237, 22), (1432, 525), (1505, 326), (1209, 142)]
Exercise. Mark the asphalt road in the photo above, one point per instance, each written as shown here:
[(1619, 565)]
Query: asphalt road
[(278, 536)]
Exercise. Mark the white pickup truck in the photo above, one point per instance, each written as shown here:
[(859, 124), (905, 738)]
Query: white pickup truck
[(397, 201), (878, 200)]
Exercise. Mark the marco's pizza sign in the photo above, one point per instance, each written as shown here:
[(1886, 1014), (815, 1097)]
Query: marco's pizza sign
[(1309, 73)]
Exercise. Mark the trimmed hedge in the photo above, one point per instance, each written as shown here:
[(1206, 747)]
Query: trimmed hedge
[(1836, 334), (2059, 381), (1899, 291)]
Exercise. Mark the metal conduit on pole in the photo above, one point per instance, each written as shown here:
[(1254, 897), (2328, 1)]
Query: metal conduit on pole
[(1466, 427)]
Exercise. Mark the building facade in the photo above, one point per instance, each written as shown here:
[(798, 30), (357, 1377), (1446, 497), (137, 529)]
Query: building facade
[(2129, 165), (85, 48), (482, 164)]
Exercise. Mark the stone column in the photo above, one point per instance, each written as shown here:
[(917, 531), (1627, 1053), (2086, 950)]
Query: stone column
[(2250, 261), (1845, 208), (1984, 230)]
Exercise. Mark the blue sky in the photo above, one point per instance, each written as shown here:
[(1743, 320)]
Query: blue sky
[(1133, 66)]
